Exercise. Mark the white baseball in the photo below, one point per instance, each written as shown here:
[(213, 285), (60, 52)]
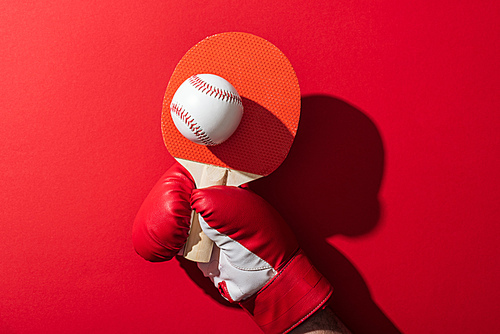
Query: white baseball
[(206, 109)]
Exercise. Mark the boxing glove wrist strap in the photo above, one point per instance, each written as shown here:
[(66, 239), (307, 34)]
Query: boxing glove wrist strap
[(294, 294)]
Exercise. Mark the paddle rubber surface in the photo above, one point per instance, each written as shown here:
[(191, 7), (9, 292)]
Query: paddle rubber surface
[(270, 92)]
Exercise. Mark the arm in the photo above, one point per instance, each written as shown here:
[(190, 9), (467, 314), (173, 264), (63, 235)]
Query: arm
[(322, 322)]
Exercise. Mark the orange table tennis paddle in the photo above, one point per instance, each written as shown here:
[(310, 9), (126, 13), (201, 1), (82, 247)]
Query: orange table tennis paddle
[(269, 89)]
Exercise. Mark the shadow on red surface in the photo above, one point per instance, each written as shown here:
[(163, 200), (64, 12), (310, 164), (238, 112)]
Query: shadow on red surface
[(328, 185)]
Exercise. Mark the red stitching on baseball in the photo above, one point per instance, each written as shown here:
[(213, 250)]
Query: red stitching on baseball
[(184, 116), (208, 89)]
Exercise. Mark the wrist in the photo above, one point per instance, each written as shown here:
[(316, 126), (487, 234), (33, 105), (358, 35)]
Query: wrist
[(324, 321)]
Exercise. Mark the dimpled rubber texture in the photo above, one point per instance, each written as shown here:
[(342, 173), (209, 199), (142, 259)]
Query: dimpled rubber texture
[(270, 91)]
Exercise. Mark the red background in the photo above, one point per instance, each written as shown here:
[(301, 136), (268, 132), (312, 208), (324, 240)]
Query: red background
[(392, 184)]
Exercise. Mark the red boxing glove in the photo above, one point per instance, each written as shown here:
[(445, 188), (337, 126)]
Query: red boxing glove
[(258, 262), (162, 224)]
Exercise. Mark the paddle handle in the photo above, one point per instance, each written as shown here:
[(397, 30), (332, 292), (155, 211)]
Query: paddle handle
[(198, 246)]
